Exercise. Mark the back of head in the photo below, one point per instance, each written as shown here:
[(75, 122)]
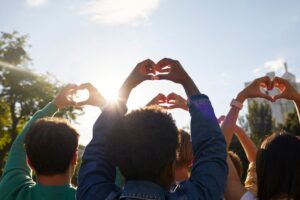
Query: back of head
[(50, 145), (143, 145), (236, 162), (185, 150), (277, 167)]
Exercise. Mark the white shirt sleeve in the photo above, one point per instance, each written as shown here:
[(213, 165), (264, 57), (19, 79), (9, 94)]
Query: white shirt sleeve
[(248, 196)]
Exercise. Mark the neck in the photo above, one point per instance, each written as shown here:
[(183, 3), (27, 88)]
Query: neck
[(54, 180)]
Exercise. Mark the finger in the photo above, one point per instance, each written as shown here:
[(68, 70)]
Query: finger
[(147, 66), (163, 63), (221, 119), (279, 96), (69, 87), (71, 103), (265, 96), (87, 86), (172, 107), (162, 77), (266, 81), (82, 103)]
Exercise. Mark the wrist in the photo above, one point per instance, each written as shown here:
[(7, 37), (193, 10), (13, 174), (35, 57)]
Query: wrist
[(190, 87), (241, 97)]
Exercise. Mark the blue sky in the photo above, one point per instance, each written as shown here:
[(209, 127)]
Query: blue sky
[(221, 44)]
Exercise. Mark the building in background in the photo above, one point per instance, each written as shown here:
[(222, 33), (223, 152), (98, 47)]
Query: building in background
[(281, 108)]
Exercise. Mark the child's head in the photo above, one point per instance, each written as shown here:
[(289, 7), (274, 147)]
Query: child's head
[(143, 145), (51, 146)]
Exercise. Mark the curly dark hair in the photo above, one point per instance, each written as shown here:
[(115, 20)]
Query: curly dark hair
[(50, 145), (143, 145)]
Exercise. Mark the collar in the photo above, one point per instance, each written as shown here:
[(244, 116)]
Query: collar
[(143, 190)]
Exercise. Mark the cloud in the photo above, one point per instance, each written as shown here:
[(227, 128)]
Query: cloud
[(274, 65), (35, 3), (119, 11)]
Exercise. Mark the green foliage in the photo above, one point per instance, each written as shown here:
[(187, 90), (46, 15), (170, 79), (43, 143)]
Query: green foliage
[(259, 119), (291, 123), (22, 92)]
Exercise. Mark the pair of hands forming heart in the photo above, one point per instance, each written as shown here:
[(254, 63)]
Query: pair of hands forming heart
[(66, 96), (287, 91), (171, 101)]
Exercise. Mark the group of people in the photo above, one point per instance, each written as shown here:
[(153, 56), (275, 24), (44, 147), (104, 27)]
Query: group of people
[(142, 155)]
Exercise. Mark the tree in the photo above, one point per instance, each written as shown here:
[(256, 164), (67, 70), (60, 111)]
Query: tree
[(291, 123), (259, 119), (22, 92)]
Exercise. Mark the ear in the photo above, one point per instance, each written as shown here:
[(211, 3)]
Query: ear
[(74, 158), (29, 163)]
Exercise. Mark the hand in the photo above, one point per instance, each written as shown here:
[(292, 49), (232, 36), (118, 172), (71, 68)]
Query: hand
[(143, 71), (159, 99), (286, 89), (253, 90), (171, 70), (176, 101), (61, 100), (95, 98)]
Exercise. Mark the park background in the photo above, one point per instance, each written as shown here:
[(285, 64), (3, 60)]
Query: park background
[(222, 44)]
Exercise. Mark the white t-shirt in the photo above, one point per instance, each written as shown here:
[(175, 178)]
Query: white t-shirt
[(248, 196)]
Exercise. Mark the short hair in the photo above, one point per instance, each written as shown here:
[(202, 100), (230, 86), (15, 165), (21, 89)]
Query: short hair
[(277, 167), (185, 150), (236, 162), (143, 143), (50, 145)]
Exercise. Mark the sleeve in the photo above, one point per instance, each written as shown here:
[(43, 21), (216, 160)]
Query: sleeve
[(251, 179), (209, 172), (96, 175), (16, 171)]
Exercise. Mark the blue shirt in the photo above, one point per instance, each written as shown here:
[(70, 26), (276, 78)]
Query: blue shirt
[(208, 177)]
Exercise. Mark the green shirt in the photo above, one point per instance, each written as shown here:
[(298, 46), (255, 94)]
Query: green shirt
[(17, 183)]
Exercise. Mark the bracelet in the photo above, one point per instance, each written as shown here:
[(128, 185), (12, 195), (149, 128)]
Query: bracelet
[(237, 104)]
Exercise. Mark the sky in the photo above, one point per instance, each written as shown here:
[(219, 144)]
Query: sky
[(221, 44)]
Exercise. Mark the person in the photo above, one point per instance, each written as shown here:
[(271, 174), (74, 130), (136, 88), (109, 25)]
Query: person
[(184, 157), (277, 159), (48, 146), (143, 145), (250, 151)]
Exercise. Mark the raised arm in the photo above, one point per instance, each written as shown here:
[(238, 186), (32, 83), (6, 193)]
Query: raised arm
[(209, 171), (235, 189), (251, 91), (97, 175), (16, 170), (248, 145)]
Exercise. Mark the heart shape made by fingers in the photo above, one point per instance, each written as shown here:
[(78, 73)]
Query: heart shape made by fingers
[(79, 95), (171, 101)]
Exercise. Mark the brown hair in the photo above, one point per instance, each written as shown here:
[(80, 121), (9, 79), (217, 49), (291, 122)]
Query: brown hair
[(185, 150), (50, 145), (236, 162)]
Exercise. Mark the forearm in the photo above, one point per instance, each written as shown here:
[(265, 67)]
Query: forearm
[(248, 145), (96, 171), (209, 148), (234, 188), (190, 88), (228, 126)]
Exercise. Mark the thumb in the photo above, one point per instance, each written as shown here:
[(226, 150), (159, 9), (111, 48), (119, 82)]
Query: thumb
[(265, 96), (279, 96)]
